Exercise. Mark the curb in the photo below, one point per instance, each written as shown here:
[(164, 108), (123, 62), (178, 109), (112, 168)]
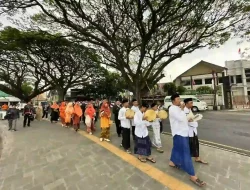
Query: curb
[(220, 146)]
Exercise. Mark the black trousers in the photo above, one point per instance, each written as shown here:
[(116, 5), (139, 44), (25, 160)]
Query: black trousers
[(45, 114), (125, 138), (26, 118), (194, 146), (133, 132), (161, 127), (96, 116), (118, 126)]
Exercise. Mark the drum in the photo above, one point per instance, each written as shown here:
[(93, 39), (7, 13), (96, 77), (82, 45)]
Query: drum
[(151, 115), (129, 113), (162, 114)]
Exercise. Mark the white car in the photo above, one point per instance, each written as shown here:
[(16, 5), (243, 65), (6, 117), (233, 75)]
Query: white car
[(197, 104)]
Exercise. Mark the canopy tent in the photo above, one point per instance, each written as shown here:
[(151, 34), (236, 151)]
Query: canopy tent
[(3, 94)]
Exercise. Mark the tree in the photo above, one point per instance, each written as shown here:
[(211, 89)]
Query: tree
[(108, 84), (170, 88), (140, 38), (59, 62), (27, 88), (181, 89)]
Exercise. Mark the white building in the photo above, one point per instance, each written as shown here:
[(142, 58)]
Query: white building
[(239, 72), (199, 80)]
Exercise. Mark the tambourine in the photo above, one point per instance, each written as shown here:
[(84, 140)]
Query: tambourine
[(151, 115)]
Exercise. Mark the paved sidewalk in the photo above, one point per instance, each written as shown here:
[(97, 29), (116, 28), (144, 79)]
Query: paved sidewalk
[(47, 156)]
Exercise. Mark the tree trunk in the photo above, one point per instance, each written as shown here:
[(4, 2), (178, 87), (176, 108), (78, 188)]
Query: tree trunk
[(61, 94)]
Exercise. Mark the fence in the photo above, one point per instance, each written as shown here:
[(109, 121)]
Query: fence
[(241, 101)]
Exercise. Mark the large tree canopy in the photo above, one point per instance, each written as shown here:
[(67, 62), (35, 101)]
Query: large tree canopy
[(140, 38), (46, 61)]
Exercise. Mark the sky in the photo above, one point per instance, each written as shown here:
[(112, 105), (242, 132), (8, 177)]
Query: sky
[(218, 56)]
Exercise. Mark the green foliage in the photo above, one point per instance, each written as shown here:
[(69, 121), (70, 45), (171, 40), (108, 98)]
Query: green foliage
[(204, 90), (27, 88), (169, 88), (108, 84), (181, 90)]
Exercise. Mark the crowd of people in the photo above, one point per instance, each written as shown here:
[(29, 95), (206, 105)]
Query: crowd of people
[(184, 131)]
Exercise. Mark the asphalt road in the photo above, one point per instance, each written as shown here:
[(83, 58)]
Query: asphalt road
[(223, 127)]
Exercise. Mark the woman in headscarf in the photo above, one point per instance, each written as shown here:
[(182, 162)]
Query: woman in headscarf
[(77, 116), (62, 113), (54, 112), (89, 118), (68, 113), (39, 112), (105, 115)]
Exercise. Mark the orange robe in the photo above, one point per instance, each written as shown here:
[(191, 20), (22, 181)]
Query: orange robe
[(62, 112), (68, 112), (5, 107)]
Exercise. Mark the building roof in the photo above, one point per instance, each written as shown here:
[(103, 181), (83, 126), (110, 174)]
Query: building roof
[(202, 68)]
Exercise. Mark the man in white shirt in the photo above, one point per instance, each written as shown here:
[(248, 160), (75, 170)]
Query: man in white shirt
[(135, 108), (193, 138), (156, 141), (180, 157), (125, 126), (142, 140)]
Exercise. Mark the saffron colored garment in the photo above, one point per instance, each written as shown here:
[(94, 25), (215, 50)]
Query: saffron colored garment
[(62, 112), (77, 116), (105, 115), (89, 118), (68, 113)]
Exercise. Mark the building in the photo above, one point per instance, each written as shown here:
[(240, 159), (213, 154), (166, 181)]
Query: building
[(200, 80), (201, 74), (239, 73)]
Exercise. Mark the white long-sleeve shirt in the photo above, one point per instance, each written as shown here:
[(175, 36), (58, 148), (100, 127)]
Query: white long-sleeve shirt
[(192, 125), (178, 121), (141, 126), (125, 123), (135, 109)]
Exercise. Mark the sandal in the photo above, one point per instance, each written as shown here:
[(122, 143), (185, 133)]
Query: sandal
[(176, 167), (198, 182), (200, 161), (160, 150), (151, 160), (142, 159)]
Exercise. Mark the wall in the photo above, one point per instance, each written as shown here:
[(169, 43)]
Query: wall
[(209, 99)]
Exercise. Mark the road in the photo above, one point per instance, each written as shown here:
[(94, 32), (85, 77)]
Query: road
[(223, 127)]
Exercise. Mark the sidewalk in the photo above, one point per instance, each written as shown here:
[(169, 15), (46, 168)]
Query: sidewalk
[(47, 156)]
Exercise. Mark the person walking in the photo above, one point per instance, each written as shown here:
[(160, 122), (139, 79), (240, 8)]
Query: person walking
[(39, 112), (116, 109), (45, 111), (28, 114), (12, 116), (105, 115), (180, 156)]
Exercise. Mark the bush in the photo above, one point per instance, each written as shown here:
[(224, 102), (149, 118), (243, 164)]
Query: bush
[(204, 90)]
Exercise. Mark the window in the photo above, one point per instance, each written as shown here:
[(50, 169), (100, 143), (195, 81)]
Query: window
[(198, 81), (195, 100), (220, 80), (248, 79), (167, 100), (208, 81), (231, 79), (238, 79), (186, 82)]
